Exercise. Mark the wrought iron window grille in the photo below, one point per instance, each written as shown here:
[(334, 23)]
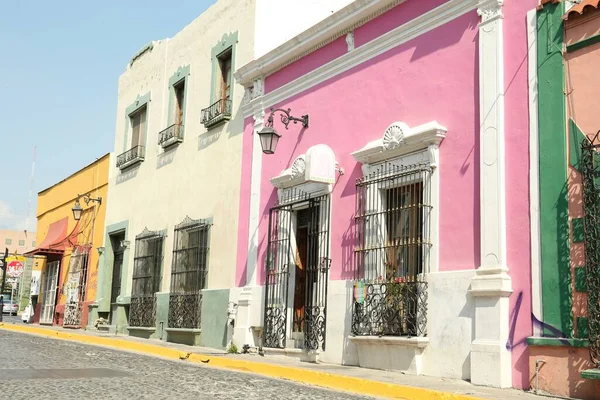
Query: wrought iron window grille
[(131, 156), (392, 229), (171, 135), (188, 273), (217, 112), (310, 301), (76, 286), (147, 264), (590, 170)]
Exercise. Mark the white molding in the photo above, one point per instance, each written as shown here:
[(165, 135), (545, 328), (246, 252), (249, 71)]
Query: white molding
[(404, 141), (254, 214), (420, 342), (534, 188), (316, 168), (293, 176), (491, 112), (338, 24), (491, 361), (401, 146), (402, 34), (489, 10)]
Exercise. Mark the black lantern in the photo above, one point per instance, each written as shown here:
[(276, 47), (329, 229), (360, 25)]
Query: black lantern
[(268, 140), (269, 137), (77, 210)]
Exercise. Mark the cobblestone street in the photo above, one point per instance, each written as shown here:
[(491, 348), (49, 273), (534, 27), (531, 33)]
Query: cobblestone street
[(33, 367)]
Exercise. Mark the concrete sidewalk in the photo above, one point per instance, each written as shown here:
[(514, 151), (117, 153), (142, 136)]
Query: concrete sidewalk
[(385, 384)]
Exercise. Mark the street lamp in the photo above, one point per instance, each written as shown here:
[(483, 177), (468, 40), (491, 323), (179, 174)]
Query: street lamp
[(77, 210), (269, 137)]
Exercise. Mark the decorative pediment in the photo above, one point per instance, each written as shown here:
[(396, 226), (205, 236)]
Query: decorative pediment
[(318, 165), (399, 139), (394, 135), (146, 233)]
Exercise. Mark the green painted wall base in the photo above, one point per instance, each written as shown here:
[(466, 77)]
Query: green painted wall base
[(92, 315), (590, 374), (143, 333), (190, 337), (118, 317), (162, 315), (214, 332), (554, 201), (215, 304), (557, 342)]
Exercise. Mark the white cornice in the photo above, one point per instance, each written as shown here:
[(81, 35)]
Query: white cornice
[(399, 139), (338, 24), (410, 30)]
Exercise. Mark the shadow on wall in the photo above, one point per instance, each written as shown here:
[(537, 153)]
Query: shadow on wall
[(237, 122), (210, 137), (564, 273), (127, 174), (449, 38), (522, 363), (560, 372), (166, 157), (349, 350), (468, 312), (349, 240)]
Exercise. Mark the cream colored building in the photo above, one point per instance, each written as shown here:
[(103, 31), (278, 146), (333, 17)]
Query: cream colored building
[(168, 264)]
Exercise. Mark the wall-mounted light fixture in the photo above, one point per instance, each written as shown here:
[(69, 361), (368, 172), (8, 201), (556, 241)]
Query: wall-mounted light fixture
[(100, 250), (124, 244), (269, 137), (77, 209)]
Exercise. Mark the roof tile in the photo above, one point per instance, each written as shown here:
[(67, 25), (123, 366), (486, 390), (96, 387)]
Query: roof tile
[(581, 8)]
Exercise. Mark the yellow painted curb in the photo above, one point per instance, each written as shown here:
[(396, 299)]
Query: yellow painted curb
[(315, 378)]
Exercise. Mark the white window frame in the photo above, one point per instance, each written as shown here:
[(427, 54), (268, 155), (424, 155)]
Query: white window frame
[(402, 146), (292, 184)]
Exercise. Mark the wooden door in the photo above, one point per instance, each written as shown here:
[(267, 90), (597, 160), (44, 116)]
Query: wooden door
[(50, 286), (300, 284)]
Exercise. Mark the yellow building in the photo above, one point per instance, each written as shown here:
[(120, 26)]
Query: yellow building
[(65, 272)]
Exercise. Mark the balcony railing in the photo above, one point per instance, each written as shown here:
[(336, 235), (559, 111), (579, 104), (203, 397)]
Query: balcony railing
[(216, 113), (131, 157), (397, 308), (171, 135)]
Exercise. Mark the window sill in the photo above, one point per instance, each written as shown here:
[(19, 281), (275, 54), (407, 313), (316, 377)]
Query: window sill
[(557, 342), (171, 142), (419, 342), (184, 330), (216, 120), (591, 374), (141, 328), (122, 301), (131, 163)]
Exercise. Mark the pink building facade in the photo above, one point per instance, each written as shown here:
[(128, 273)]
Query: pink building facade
[(391, 228)]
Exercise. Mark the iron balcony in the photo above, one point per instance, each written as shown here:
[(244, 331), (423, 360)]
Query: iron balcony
[(216, 113), (131, 157), (170, 136)]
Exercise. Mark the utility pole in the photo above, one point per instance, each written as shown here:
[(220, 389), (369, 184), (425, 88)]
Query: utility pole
[(3, 282)]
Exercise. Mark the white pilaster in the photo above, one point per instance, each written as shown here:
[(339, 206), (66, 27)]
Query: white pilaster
[(254, 215), (490, 359), (534, 173), (248, 305)]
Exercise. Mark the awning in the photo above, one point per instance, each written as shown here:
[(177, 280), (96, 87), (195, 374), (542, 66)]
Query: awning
[(581, 8), (55, 241)]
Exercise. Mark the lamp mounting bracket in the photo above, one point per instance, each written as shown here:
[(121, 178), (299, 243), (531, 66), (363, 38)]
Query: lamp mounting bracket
[(286, 118), (87, 198)]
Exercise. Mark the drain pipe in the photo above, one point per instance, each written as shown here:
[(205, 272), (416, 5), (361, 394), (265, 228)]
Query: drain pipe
[(537, 372)]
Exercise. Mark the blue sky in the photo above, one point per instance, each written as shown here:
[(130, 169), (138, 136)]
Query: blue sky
[(59, 68)]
